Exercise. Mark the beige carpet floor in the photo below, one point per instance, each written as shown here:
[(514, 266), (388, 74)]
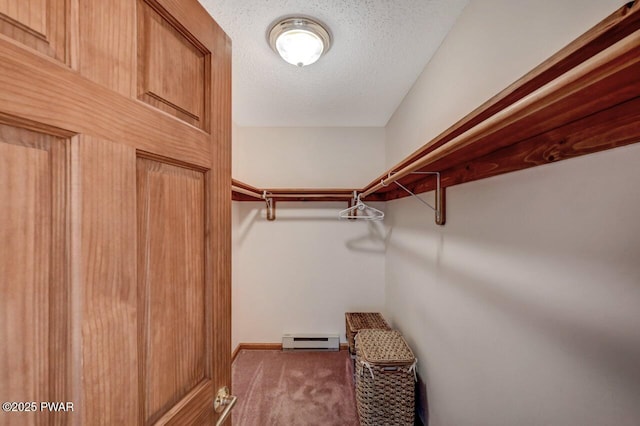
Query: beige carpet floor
[(294, 389)]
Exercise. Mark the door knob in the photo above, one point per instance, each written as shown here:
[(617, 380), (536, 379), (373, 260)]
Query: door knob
[(224, 401)]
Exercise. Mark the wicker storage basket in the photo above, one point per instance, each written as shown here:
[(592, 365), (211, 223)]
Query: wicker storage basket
[(356, 321), (385, 379)]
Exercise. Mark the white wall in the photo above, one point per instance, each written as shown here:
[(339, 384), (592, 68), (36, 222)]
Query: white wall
[(301, 272), (308, 157), (525, 308)]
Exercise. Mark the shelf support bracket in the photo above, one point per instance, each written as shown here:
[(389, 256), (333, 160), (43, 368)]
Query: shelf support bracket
[(271, 206), (439, 208)]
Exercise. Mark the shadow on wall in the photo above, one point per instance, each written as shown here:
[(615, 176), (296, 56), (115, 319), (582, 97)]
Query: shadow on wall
[(618, 354), (373, 241), (247, 219), (422, 404)]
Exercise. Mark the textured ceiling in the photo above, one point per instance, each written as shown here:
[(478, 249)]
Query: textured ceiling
[(379, 49)]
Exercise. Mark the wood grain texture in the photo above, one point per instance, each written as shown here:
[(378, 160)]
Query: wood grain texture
[(172, 71), (60, 304), (246, 186), (108, 44), (607, 129), (84, 64), (605, 80), (192, 409), (171, 283), (219, 220), (85, 107), (41, 25), (32, 14), (245, 192), (33, 320), (203, 29), (306, 194), (104, 280)]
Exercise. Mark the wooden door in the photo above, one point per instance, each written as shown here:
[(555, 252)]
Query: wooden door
[(114, 212)]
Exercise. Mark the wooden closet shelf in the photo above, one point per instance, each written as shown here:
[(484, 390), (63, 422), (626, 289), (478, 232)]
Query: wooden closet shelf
[(584, 99)]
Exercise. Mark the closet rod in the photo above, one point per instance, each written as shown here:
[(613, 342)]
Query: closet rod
[(340, 195), (310, 195), (585, 74)]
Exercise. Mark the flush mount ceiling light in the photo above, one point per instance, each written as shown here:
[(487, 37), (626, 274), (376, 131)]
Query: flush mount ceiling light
[(298, 40)]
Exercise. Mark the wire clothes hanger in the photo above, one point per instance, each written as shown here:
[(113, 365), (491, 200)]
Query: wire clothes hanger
[(361, 211)]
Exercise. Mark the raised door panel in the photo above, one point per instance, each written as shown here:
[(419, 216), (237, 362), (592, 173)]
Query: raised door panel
[(38, 24), (31, 14), (33, 306), (173, 67), (171, 288), (31, 86), (107, 44), (129, 342)]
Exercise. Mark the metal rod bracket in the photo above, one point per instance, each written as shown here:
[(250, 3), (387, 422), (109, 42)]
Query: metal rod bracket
[(439, 208), (271, 206)]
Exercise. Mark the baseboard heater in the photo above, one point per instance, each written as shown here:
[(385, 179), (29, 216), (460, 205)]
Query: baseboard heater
[(311, 342)]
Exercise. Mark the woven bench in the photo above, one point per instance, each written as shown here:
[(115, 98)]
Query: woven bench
[(385, 379), (356, 321)]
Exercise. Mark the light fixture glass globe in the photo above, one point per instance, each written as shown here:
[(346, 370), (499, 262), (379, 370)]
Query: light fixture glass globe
[(299, 40), (299, 47)]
